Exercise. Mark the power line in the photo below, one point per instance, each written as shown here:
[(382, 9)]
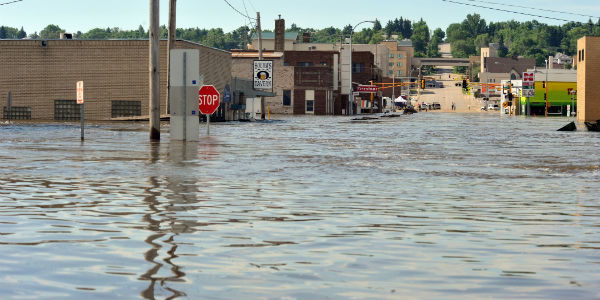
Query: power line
[(239, 12), (511, 11), (5, 3), (536, 8)]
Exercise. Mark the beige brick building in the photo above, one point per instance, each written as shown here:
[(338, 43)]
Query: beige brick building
[(588, 78), (283, 78), (41, 76)]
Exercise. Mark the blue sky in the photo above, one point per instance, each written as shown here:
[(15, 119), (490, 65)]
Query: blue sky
[(83, 15)]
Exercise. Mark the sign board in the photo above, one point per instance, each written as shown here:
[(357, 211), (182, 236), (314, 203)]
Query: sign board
[(528, 84), (367, 89), (208, 99), (79, 92), (227, 94), (263, 74)]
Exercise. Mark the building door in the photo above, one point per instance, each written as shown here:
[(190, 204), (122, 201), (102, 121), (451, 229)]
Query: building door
[(310, 101)]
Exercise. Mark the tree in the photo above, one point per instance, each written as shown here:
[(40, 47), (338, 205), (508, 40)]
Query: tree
[(420, 38), (2, 32), (377, 25), (51, 32), (22, 34), (96, 34)]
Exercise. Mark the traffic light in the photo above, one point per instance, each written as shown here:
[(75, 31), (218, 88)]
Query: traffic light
[(543, 84), (510, 99), (465, 86), (545, 96), (423, 83)]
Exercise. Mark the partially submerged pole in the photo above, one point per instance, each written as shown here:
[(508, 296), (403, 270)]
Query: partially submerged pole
[(170, 45), (154, 74)]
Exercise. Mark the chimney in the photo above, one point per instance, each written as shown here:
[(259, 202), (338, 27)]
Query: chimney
[(66, 36), (280, 34), (306, 37)]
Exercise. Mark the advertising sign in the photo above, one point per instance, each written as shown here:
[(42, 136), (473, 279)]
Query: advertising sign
[(263, 74)]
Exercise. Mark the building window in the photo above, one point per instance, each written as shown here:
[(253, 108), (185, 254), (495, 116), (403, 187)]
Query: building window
[(324, 63), (304, 64), (391, 72), (391, 55), (399, 64), (310, 101), (399, 55), (125, 108), (17, 113), (287, 97), (399, 73), (582, 54), (391, 64), (66, 110), (358, 68)]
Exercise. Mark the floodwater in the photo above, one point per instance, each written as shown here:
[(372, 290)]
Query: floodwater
[(427, 206)]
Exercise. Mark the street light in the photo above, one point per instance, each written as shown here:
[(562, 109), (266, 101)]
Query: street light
[(350, 94)]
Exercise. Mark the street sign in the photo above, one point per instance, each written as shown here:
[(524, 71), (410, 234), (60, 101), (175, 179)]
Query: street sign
[(367, 89), (208, 99), (79, 92), (227, 94), (528, 84), (263, 74)]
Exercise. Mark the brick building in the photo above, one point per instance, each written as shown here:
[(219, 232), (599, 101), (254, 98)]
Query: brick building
[(41, 76), (588, 78), (283, 77)]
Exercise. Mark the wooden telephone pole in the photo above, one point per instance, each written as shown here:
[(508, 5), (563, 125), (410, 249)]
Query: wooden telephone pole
[(260, 57), (154, 72), (170, 45)]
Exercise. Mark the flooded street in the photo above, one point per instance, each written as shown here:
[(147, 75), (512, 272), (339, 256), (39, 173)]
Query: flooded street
[(425, 206)]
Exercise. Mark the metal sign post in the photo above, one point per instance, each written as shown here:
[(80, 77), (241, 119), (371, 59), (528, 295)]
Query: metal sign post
[(8, 107), (208, 102), (80, 102)]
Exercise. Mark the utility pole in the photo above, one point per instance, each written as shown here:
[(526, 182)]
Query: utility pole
[(170, 45), (154, 71), (546, 91), (260, 57)]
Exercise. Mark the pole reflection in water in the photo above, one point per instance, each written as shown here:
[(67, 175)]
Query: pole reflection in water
[(162, 221)]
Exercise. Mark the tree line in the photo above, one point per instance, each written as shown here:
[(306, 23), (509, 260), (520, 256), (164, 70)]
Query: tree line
[(528, 39)]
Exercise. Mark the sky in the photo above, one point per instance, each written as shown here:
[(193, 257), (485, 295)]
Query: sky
[(83, 15)]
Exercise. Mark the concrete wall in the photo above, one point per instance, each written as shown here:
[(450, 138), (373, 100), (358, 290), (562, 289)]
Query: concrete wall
[(111, 70), (588, 78)]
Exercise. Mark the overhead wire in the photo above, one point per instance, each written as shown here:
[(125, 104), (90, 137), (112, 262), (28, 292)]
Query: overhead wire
[(536, 8), (10, 2), (511, 11), (236, 10)]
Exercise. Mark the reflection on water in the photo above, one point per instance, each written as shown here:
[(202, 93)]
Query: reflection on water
[(431, 205)]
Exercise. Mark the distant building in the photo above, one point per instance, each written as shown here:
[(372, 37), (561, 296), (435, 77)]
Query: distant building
[(268, 41), (588, 78), (399, 63), (496, 69), (560, 61), (490, 51)]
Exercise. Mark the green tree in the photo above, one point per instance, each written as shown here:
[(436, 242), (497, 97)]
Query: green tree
[(2, 32), (420, 38), (22, 34), (96, 34), (51, 32), (377, 25)]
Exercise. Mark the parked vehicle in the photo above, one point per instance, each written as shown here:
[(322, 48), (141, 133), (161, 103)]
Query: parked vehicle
[(436, 105), (493, 107)]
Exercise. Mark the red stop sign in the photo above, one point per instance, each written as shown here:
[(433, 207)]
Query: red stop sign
[(208, 99)]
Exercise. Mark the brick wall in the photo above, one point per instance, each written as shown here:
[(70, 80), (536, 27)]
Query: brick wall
[(111, 70), (283, 79), (588, 78)]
